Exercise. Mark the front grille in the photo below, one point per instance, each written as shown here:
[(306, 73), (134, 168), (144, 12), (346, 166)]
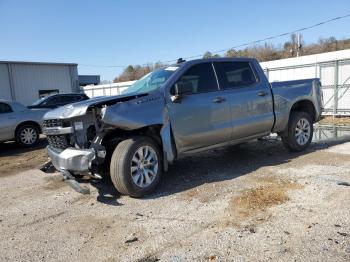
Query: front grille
[(58, 141), (53, 123)]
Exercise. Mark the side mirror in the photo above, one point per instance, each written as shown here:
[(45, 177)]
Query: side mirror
[(181, 90)]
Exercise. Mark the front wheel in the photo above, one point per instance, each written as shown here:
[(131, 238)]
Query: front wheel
[(298, 135), (136, 166)]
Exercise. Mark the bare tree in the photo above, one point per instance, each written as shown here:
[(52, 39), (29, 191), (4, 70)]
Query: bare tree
[(263, 52)]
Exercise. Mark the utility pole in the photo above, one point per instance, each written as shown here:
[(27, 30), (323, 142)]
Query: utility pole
[(295, 45), (298, 45)]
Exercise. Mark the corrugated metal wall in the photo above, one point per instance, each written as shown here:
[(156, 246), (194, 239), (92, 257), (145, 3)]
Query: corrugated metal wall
[(28, 79), (5, 90)]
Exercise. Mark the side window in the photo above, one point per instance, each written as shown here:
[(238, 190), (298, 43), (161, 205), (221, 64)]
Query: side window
[(68, 99), (199, 78), (78, 98), (53, 101), (5, 108), (235, 74)]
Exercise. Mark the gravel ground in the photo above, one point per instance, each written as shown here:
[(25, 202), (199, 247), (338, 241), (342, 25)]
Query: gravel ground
[(14, 159), (255, 202)]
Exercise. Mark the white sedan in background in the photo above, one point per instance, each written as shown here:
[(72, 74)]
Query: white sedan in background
[(19, 123)]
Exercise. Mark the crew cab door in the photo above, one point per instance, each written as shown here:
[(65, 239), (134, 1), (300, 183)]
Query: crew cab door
[(202, 117), (249, 97), (8, 121)]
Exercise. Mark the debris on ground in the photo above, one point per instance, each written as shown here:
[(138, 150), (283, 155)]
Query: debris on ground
[(131, 240), (342, 234), (343, 184)]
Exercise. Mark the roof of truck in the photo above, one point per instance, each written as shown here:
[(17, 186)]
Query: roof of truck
[(219, 59)]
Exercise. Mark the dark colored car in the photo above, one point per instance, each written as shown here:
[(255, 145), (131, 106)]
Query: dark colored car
[(54, 101)]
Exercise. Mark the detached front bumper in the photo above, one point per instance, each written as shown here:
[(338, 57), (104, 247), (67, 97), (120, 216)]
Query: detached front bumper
[(71, 159)]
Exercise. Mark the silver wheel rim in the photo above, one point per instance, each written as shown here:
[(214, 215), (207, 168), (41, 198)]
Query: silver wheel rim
[(28, 136), (144, 166), (302, 131)]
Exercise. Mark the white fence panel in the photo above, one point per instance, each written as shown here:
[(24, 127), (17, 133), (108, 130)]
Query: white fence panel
[(334, 76), (106, 90)]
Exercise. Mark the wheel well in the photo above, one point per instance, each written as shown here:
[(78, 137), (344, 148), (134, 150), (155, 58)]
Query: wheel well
[(28, 123), (305, 106), (116, 135)]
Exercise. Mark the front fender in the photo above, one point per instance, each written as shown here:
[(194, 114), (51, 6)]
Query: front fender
[(136, 113), (139, 113)]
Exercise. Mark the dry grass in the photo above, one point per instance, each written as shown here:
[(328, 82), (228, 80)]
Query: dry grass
[(329, 120), (270, 192)]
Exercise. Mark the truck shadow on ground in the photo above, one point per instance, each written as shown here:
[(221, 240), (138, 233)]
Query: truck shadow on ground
[(229, 163), (217, 165), (107, 194)]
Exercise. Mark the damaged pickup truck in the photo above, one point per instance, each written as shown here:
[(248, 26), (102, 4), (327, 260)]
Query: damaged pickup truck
[(176, 110)]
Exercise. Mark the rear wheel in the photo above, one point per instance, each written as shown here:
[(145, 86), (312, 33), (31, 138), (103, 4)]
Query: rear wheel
[(27, 135), (298, 135), (136, 166)]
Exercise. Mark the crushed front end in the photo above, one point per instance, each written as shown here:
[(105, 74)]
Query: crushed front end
[(74, 146)]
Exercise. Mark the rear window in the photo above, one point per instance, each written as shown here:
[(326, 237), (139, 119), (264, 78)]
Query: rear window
[(235, 74)]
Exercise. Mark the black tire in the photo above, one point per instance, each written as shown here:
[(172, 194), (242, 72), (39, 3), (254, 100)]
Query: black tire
[(26, 142), (289, 138), (120, 166)]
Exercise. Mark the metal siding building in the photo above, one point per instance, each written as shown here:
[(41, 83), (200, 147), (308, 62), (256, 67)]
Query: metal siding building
[(23, 81)]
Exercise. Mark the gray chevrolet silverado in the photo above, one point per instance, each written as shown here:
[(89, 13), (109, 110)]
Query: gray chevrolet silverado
[(176, 110)]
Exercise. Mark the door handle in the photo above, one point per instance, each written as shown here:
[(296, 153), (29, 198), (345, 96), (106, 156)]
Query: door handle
[(262, 93), (219, 100)]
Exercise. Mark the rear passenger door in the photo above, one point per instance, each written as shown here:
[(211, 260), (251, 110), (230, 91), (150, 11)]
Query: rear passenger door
[(249, 98), (202, 117)]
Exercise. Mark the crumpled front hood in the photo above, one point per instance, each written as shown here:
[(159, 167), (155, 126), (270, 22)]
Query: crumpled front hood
[(80, 108)]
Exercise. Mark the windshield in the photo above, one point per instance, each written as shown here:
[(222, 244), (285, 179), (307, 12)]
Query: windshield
[(151, 81), (37, 102)]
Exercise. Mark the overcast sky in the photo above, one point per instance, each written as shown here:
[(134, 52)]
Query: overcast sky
[(136, 32)]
